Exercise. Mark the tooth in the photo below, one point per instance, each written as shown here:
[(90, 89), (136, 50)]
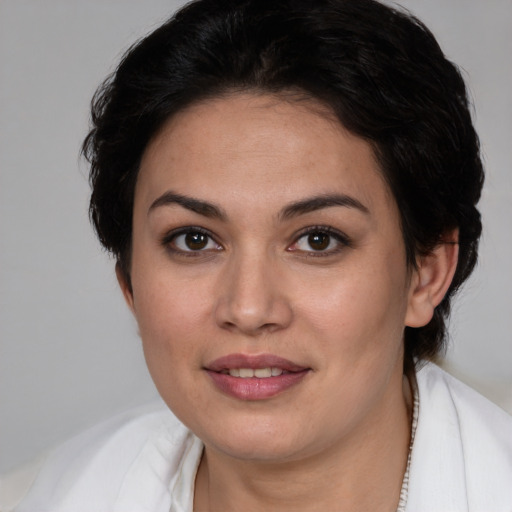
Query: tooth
[(262, 373)]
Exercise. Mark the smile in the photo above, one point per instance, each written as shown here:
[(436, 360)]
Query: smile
[(249, 377), (260, 373)]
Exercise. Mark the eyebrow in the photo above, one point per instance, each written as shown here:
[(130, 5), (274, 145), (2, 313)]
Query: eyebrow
[(312, 204), (295, 209), (196, 205)]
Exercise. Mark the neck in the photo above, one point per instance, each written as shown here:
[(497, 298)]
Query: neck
[(362, 473)]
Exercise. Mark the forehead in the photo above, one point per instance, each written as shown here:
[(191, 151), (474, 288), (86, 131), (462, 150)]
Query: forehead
[(249, 147)]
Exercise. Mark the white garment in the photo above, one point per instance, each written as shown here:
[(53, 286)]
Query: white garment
[(146, 461)]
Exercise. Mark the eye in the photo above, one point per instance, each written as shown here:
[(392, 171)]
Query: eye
[(323, 241), (316, 241), (190, 241)]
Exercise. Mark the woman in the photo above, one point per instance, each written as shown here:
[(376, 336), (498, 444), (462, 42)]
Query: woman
[(290, 192)]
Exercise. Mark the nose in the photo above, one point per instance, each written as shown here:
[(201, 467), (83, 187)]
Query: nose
[(252, 299)]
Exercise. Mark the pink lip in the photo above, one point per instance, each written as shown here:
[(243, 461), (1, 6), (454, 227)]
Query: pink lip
[(254, 388)]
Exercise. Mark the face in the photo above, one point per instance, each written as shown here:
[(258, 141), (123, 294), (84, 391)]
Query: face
[(269, 277)]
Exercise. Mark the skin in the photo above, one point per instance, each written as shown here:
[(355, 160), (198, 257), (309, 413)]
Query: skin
[(338, 440)]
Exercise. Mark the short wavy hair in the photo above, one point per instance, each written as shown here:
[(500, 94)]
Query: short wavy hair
[(377, 68)]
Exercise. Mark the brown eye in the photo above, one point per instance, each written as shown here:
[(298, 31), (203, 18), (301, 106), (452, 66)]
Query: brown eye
[(192, 241), (319, 241), (196, 241)]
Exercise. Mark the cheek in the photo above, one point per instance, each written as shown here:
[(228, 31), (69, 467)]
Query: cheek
[(171, 325), (167, 310), (358, 311), (172, 318)]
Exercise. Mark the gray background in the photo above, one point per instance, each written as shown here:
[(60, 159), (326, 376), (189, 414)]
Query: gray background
[(69, 351)]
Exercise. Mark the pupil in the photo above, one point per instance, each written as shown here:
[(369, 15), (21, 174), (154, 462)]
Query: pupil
[(196, 241), (319, 241)]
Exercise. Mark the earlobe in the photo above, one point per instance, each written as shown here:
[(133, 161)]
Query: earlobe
[(431, 279), (125, 285)]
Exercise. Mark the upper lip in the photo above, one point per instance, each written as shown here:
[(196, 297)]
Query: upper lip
[(253, 361)]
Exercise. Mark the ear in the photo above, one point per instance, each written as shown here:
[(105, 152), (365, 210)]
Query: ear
[(125, 285), (431, 279)]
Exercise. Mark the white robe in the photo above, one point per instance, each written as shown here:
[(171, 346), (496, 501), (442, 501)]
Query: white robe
[(146, 461)]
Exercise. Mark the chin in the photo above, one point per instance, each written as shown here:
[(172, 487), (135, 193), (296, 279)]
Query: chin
[(261, 448), (258, 439)]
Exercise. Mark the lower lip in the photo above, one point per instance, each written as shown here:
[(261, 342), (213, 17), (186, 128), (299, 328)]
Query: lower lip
[(253, 388)]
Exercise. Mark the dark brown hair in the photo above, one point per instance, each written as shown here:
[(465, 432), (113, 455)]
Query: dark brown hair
[(379, 69)]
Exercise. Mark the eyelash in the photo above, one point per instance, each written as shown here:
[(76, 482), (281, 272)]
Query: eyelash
[(170, 237), (342, 239)]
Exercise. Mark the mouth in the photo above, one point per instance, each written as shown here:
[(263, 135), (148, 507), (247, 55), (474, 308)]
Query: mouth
[(247, 377), (259, 373)]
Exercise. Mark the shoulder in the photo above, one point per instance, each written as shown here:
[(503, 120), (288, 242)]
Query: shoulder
[(462, 453), (92, 470), (476, 415)]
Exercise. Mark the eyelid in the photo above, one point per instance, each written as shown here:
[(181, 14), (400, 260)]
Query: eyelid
[(167, 239), (338, 235)]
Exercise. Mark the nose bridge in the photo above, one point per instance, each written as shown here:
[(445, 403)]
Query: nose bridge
[(251, 300)]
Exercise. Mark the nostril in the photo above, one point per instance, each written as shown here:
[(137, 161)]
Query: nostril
[(251, 308)]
